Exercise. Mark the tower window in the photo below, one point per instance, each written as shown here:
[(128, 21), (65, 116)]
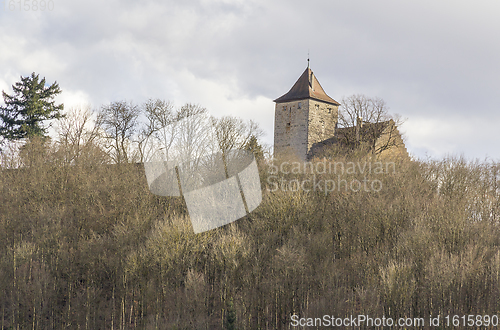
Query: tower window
[(329, 110), (317, 106), (299, 105)]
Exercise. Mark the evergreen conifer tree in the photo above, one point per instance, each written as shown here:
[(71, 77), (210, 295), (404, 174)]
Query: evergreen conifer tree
[(28, 107)]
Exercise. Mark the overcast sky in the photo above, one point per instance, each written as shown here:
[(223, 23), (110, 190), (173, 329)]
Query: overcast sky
[(435, 63)]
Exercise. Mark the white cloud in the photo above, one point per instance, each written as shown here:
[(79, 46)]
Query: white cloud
[(73, 99), (223, 99), (445, 135)]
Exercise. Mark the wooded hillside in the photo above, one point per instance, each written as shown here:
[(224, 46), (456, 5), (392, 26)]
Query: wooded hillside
[(88, 246)]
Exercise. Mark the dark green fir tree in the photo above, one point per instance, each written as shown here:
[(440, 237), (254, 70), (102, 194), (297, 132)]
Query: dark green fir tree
[(24, 112)]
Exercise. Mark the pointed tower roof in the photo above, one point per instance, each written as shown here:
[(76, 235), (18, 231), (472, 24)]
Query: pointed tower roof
[(306, 87)]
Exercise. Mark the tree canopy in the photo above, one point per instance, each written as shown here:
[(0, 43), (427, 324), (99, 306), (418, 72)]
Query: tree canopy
[(28, 107)]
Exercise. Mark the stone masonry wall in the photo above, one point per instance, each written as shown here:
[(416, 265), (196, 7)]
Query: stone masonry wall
[(323, 118), (290, 128), (300, 124)]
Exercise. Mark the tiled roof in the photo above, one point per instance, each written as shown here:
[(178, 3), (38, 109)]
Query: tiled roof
[(306, 87)]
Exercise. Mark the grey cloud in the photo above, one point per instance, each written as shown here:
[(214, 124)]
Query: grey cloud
[(424, 58)]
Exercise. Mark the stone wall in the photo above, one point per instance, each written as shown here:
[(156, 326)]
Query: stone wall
[(392, 141), (290, 128), (300, 124), (323, 118)]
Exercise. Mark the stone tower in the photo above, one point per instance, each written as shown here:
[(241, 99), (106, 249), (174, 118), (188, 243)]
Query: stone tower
[(303, 116)]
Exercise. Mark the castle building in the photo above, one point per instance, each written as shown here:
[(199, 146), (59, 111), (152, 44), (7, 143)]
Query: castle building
[(304, 116), (305, 125)]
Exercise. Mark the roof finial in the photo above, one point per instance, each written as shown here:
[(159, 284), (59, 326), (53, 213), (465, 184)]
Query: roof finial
[(308, 59)]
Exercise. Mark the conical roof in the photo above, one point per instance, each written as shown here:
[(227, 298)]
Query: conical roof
[(306, 87)]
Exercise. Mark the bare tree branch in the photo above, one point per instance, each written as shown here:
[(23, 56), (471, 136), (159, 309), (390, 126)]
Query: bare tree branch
[(379, 129), (119, 121)]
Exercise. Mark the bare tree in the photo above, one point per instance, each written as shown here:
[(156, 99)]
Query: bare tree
[(119, 121), (366, 121), (160, 130), (194, 132), (234, 133), (78, 134), (189, 133)]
